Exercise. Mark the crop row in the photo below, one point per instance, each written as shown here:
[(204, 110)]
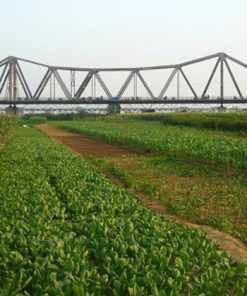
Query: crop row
[(183, 142), (232, 121), (67, 230)]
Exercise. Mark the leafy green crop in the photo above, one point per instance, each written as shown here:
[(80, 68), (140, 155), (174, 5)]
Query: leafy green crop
[(197, 193), (228, 121), (182, 142), (67, 230)]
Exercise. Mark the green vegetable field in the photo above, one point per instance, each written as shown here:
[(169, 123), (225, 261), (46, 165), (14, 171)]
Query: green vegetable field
[(65, 229), (207, 147), (230, 121), (197, 174)]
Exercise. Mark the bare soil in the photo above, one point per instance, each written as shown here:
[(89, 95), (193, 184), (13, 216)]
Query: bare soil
[(87, 146), (83, 145)]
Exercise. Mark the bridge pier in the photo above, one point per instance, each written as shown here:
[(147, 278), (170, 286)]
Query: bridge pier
[(114, 106), (12, 110), (12, 81)]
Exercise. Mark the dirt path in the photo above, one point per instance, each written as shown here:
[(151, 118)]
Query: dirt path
[(87, 146), (84, 145)]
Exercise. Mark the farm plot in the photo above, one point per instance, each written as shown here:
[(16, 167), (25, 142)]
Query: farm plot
[(195, 193), (229, 121), (235, 122), (67, 230), (206, 147), (186, 171)]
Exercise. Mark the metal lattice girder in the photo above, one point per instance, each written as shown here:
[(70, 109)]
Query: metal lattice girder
[(3, 73), (15, 72), (125, 85), (22, 83), (103, 85), (233, 79), (62, 85), (222, 76), (172, 66), (168, 82), (135, 86), (189, 84), (126, 69), (4, 78), (3, 62), (42, 84), (236, 61), (31, 62), (199, 60), (28, 91), (192, 101), (145, 84), (210, 78), (84, 84)]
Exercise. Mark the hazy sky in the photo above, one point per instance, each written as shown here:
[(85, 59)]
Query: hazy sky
[(122, 33), (127, 32)]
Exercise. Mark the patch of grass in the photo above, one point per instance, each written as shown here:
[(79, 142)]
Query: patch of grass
[(171, 164), (184, 205), (125, 177), (147, 188), (222, 223), (195, 193)]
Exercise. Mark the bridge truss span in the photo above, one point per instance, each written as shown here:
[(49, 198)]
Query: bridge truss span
[(82, 85)]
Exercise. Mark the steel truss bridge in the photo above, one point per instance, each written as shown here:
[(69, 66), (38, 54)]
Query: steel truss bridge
[(12, 79)]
